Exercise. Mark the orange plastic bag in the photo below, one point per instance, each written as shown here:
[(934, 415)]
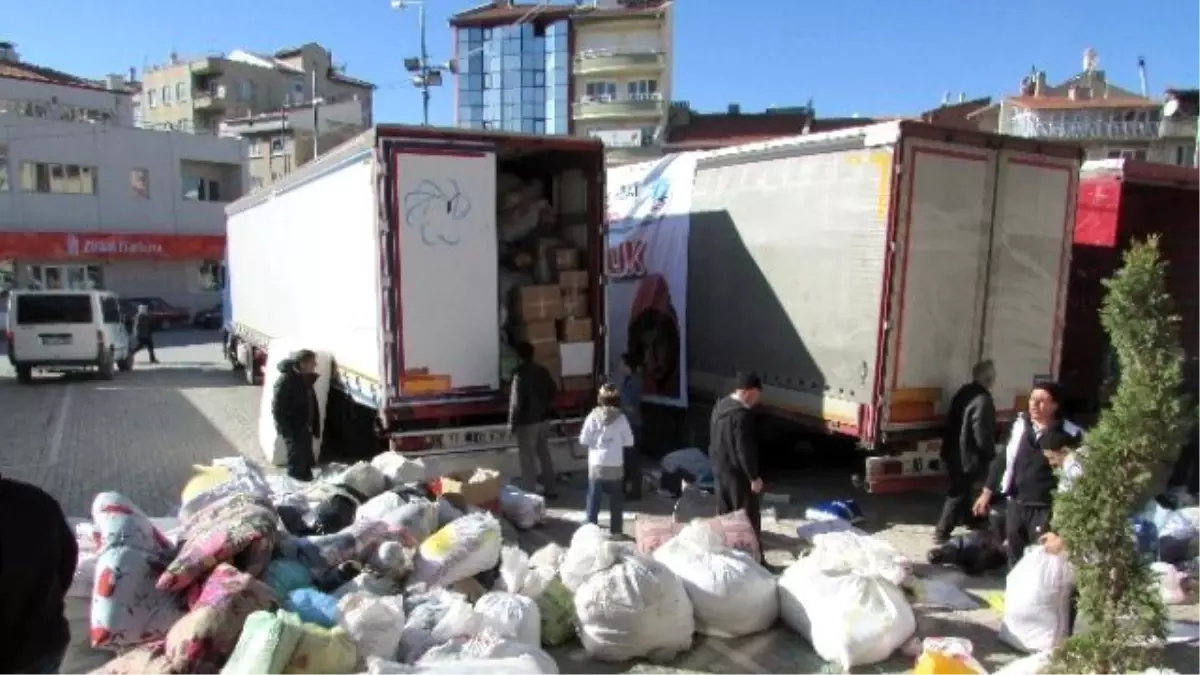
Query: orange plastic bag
[(947, 656)]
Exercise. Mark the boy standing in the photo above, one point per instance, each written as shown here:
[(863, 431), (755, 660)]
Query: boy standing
[(607, 436)]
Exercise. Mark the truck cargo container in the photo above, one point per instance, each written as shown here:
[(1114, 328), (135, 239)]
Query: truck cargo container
[(861, 273), (386, 253), (1121, 201)]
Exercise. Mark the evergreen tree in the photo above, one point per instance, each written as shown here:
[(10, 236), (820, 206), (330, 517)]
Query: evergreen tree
[(1136, 436)]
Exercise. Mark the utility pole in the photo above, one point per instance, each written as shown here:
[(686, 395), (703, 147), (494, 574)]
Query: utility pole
[(425, 75), (316, 117)]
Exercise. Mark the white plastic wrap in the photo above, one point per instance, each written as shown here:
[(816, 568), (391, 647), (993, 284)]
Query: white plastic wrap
[(517, 665), (378, 506), (511, 615), (440, 616), (462, 549), (549, 556), (846, 551), (374, 622), (419, 517), (633, 608), (731, 593), (488, 644), (524, 509), (850, 618), (590, 551), (400, 469), (1037, 599)]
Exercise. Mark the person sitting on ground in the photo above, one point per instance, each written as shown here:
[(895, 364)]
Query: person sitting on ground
[(607, 436), (296, 412), (38, 554)]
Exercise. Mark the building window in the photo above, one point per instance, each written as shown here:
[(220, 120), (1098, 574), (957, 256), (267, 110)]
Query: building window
[(181, 93), (166, 94), (152, 98), (245, 90), (3, 168), (139, 182), (254, 149), (66, 179), (212, 275), (276, 146), (201, 190), (601, 91), (255, 182), (640, 90), (1185, 155)]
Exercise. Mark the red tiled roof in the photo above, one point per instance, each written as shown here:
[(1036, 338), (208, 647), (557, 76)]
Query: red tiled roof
[(27, 71), (1066, 103)]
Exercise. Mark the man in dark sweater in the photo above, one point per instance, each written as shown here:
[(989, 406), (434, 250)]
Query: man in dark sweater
[(296, 412), (968, 446), (143, 332), (530, 403), (734, 453), (38, 554)]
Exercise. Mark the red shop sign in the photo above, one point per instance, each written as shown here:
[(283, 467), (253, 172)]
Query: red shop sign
[(57, 246)]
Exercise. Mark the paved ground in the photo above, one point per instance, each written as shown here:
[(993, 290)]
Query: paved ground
[(141, 433)]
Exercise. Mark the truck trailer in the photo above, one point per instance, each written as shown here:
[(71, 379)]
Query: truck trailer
[(861, 273), (1121, 201), (417, 257)]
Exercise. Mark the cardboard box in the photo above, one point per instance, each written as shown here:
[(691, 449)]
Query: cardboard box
[(572, 281), (577, 358), (536, 333), (575, 330), (478, 488), (546, 351), (575, 305), (539, 303), (577, 383), (566, 259)]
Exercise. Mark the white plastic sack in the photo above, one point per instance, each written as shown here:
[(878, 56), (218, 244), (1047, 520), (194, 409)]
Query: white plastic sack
[(731, 593), (419, 517), (850, 618), (512, 616), (441, 616), (590, 551), (517, 575), (847, 551), (517, 665), (1037, 598), (549, 557), (524, 509), (268, 440), (459, 550), (633, 608), (488, 644), (378, 506), (374, 623), (364, 478), (370, 583), (400, 469), (1034, 664), (1170, 583)]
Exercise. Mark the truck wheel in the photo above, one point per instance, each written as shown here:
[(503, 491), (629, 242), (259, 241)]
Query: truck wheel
[(253, 377), (24, 374), (231, 355), (106, 367)]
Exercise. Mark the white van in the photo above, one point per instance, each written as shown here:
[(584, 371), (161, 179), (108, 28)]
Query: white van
[(66, 330)]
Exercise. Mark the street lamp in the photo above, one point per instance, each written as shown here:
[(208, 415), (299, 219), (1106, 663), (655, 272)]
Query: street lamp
[(424, 74)]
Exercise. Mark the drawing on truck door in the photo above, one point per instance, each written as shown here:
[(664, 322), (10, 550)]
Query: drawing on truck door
[(446, 264), (438, 211), (649, 215)]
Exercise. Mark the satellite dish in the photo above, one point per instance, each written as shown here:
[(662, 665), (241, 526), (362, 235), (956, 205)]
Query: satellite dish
[(1171, 107)]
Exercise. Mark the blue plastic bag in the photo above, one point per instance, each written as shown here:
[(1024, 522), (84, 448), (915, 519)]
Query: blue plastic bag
[(842, 509), (313, 606), (284, 575)]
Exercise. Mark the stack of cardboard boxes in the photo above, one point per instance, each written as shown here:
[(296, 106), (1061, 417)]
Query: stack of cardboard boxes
[(554, 318)]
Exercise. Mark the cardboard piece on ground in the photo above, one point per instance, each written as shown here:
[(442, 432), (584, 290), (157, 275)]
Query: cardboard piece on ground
[(478, 488)]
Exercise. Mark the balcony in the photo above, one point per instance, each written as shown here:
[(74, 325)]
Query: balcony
[(1178, 127), (647, 106), (207, 66), (209, 99), (606, 61)]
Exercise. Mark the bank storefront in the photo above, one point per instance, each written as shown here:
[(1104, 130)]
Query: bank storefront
[(183, 270)]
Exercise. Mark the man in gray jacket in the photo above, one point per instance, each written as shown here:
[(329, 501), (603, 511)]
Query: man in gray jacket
[(531, 400), (968, 445)]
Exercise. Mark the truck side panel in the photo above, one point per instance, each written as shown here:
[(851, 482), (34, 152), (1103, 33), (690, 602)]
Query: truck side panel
[(940, 279), (1027, 288), (786, 256), (305, 265)]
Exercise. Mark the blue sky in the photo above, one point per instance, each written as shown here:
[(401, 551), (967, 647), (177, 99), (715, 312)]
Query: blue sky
[(871, 57)]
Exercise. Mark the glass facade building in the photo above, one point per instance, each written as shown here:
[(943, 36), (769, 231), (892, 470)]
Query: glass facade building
[(514, 78)]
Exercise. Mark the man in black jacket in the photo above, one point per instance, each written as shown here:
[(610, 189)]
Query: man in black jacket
[(531, 400), (143, 332), (734, 454), (296, 413), (968, 445), (37, 562)]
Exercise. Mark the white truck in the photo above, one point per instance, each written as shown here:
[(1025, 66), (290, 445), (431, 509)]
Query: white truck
[(387, 254), (868, 269)]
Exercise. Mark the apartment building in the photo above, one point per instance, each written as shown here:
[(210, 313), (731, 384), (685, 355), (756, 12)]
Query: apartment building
[(196, 95), (1109, 121), (87, 200), (279, 142), (621, 75)]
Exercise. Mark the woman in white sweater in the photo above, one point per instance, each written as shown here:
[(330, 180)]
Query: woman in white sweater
[(607, 436)]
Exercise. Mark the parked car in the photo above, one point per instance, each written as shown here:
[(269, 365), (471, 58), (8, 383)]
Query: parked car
[(66, 331), (164, 316), (208, 318)]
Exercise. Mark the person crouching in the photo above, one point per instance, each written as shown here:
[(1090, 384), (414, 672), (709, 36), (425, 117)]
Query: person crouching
[(607, 436)]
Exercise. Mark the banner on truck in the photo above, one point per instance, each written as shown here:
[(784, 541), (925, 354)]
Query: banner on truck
[(648, 219)]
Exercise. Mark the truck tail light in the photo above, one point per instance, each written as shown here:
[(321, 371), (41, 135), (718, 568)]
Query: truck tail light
[(412, 443)]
